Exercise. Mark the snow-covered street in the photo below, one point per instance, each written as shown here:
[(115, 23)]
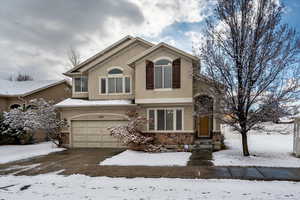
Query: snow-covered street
[(50, 186), (271, 147), (136, 158), (9, 153)]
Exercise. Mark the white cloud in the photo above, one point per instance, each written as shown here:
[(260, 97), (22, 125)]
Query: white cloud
[(36, 35)]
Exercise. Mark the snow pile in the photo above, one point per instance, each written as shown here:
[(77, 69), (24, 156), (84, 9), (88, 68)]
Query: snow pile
[(75, 187), (270, 148), (138, 158), (9, 153), (22, 87), (81, 102)]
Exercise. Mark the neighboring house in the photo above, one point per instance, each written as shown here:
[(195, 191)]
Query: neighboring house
[(14, 94), (132, 74), (18, 93)]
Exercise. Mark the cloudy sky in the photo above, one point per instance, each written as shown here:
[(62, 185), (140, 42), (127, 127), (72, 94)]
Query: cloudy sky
[(35, 35)]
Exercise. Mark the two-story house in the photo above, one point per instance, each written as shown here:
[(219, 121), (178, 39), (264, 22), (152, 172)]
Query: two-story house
[(135, 75)]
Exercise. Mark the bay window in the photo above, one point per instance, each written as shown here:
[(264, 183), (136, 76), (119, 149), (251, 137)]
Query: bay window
[(165, 119), (81, 84)]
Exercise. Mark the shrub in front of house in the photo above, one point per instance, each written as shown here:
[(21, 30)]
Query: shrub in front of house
[(18, 125), (132, 137)]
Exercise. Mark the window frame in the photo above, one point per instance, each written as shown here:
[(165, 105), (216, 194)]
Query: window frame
[(81, 85), (174, 119), (123, 84), (163, 74)]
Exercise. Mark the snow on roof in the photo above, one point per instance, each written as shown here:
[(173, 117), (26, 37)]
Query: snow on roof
[(86, 103), (15, 88)]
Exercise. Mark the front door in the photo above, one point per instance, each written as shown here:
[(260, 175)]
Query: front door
[(203, 126)]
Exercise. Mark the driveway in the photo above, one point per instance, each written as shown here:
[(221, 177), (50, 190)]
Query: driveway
[(86, 161)]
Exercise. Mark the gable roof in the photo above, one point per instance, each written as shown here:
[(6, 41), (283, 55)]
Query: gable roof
[(162, 44), (25, 88), (101, 53)]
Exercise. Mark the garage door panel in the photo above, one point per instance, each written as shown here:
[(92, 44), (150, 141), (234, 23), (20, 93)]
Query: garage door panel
[(79, 138), (94, 134)]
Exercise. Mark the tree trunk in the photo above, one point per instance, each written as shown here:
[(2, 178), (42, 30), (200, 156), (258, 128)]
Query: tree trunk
[(245, 144)]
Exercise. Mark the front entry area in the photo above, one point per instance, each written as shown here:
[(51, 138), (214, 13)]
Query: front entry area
[(94, 133), (203, 126), (204, 118)]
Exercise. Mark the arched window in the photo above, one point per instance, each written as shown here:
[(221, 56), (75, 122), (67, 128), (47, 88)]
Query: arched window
[(15, 106), (115, 71), (163, 62), (163, 73), (115, 82)]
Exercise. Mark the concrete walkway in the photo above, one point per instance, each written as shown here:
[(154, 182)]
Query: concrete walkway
[(86, 161)]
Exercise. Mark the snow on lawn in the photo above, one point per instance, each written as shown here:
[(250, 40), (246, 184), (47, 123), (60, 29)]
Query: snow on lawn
[(75, 187), (272, 147), (135, 158), (9, 153)]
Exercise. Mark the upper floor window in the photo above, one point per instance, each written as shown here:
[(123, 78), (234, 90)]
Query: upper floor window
[(163, 74), (115, 82), (81, 84), (115, 71)]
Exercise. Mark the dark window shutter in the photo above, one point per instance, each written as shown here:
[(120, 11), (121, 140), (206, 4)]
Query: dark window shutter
[(149, 75), (176, 73)]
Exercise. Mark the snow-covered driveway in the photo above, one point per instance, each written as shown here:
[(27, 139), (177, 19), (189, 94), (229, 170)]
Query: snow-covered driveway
[(9, 153), (138, 158), (75, 187), (268, 148)]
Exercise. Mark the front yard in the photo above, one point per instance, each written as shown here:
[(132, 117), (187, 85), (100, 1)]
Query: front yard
[(271, 147), (51, 186), (136, 158), (9, 153)]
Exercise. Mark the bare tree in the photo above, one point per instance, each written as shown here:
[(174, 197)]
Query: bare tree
[(249, 56), (21, 77), (74, 57)]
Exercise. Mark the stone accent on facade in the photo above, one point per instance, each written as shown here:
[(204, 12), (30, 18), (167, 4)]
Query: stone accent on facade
[(173, 138)]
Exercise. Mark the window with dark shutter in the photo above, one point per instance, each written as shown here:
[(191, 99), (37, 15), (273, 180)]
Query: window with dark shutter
[(149, 75), (176, 73)]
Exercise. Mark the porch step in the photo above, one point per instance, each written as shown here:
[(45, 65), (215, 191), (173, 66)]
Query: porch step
[(203, 144)]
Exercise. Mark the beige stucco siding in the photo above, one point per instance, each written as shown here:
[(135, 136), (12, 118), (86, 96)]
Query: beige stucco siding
[(185, 91), (119, 60), (106, 55)]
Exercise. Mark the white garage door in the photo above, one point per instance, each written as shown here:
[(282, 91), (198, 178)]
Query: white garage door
[(94, 134)]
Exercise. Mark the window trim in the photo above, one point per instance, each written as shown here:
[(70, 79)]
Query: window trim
[(115, 67), (174, 119), (163, 74), (74, 90)]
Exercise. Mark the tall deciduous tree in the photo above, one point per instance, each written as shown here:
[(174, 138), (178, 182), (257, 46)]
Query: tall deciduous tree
[(249, 56)]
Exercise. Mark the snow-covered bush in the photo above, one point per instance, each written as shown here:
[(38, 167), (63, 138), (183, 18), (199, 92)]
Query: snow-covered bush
[(6, 133), (47, 119), (21, 123), (132, 136)]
